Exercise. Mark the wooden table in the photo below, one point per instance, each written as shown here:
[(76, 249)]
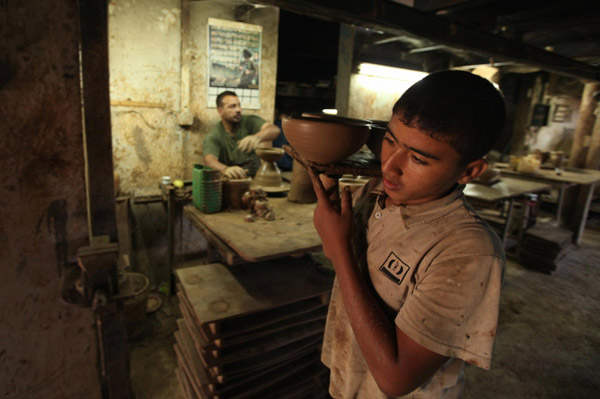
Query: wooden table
[(238, 241), (507, 190), (567, 177)]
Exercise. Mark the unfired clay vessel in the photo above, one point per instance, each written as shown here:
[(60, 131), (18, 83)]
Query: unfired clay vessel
[(323, 140), (268, 176)]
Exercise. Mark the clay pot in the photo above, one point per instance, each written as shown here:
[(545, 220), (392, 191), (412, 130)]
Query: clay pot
[(378, 129), (301, 188), (268, 176), (233, 191), (323, 140), (336, 118)]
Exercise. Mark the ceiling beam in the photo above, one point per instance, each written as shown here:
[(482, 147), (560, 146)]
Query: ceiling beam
[(398, 19)]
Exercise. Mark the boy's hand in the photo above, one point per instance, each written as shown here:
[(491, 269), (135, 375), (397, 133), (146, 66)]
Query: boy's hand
[(334, 224)]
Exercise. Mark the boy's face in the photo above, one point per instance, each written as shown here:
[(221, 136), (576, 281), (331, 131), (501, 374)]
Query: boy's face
[(417, 168)]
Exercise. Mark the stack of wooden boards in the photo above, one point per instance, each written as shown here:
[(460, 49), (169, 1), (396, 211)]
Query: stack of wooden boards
[(545, 247), (252, 330)]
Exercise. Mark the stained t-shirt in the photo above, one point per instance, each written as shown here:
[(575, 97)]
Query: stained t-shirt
[(221, 144), (437, 269)]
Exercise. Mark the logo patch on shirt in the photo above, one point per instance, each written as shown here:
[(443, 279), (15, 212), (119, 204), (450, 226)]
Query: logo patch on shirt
[(394, 268)]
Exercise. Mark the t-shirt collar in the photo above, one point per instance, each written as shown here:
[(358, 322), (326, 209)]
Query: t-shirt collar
[(428, 210)]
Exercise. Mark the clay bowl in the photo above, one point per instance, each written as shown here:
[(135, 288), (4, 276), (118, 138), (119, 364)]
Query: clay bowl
[(269, 154), (323, 140), (335, 118), (378, 129)]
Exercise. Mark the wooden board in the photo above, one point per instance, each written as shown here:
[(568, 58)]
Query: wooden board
[(259, 346), (567, 175), (361, 163), (184, 384), (292, 232), (505, 189), (272, 358), (187, 373), (254, 325), (217, 293)]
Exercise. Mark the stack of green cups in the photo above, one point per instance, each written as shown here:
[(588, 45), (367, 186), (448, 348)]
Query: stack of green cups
[(207, 189)]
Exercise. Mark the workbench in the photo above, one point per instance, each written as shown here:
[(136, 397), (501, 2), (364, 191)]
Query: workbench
[(253, 324), (562, 178), (237, 241), (506, 191)]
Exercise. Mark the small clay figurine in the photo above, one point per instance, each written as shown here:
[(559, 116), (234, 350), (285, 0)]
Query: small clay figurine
[(257, 202)]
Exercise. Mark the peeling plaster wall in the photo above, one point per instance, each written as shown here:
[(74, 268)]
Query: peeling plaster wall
[(373, 97), (145, 68), (47, 348), (144, 62)]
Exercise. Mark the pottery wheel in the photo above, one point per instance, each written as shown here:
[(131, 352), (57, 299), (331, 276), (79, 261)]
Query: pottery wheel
[(282, 188)]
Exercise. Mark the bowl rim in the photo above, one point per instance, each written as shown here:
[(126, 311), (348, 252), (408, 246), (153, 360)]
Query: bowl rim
[(365, 124)]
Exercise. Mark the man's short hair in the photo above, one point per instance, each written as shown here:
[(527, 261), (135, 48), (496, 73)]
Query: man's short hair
[(224, 94), (456, 107)]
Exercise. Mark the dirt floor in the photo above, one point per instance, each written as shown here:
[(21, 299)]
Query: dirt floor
[(547, 346)]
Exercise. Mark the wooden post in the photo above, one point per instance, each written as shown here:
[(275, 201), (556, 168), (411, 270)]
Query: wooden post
[(593, 153), (577, 199), (584, 126)]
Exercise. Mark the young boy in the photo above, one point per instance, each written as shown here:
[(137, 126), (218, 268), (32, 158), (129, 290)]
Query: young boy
[(418, 273)]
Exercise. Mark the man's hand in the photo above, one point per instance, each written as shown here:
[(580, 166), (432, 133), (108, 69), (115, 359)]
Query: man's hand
[(249, 143), (234, 172), (333, 224)]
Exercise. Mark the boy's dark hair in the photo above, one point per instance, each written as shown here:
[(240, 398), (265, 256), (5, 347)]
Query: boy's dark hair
[(456, 107), (223, 94)]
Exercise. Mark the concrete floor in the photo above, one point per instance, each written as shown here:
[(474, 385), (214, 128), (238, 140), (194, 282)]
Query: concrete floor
[(547, 347)]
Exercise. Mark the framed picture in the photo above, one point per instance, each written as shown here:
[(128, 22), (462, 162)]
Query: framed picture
[(234, 61)]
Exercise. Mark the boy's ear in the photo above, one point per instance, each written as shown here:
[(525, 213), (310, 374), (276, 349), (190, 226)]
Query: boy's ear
[(473, 170)]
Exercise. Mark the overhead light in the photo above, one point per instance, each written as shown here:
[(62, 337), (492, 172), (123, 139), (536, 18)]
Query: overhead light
[(388, 72), (330, 111)]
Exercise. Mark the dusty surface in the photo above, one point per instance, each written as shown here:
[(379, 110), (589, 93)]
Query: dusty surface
[(548, 343)]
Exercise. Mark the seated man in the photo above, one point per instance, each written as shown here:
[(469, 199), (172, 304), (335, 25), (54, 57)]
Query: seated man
[(229, 146)]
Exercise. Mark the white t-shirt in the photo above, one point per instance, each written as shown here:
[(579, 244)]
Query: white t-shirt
[(437, 268)]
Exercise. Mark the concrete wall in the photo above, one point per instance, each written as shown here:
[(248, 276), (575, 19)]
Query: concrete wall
[(148, 75), (47, 347)]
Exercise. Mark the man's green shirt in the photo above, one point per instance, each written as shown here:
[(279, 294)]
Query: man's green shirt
[(224, 146)]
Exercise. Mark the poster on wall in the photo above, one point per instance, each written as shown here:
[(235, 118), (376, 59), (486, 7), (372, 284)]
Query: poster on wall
[(234, 61)]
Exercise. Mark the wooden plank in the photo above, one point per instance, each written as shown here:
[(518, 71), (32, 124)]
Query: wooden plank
[(505, 189), (189, 357), (247, 335), (272, 358), (184, 384), (188, 373), (315, 315), (217, 293), (291, 233), (259, 346), (227, 254), (138, 104), (254, 325), (243, 385), (361, 163), (567, 175), (213, 387)]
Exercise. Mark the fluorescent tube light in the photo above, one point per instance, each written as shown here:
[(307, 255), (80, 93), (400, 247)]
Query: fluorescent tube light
[(388, 72)]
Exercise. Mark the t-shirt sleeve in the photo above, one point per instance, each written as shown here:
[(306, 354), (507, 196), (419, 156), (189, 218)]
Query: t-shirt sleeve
[(454, 308), (210, 146), (254, 123)]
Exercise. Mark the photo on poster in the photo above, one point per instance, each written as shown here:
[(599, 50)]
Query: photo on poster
[(234, 61)]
